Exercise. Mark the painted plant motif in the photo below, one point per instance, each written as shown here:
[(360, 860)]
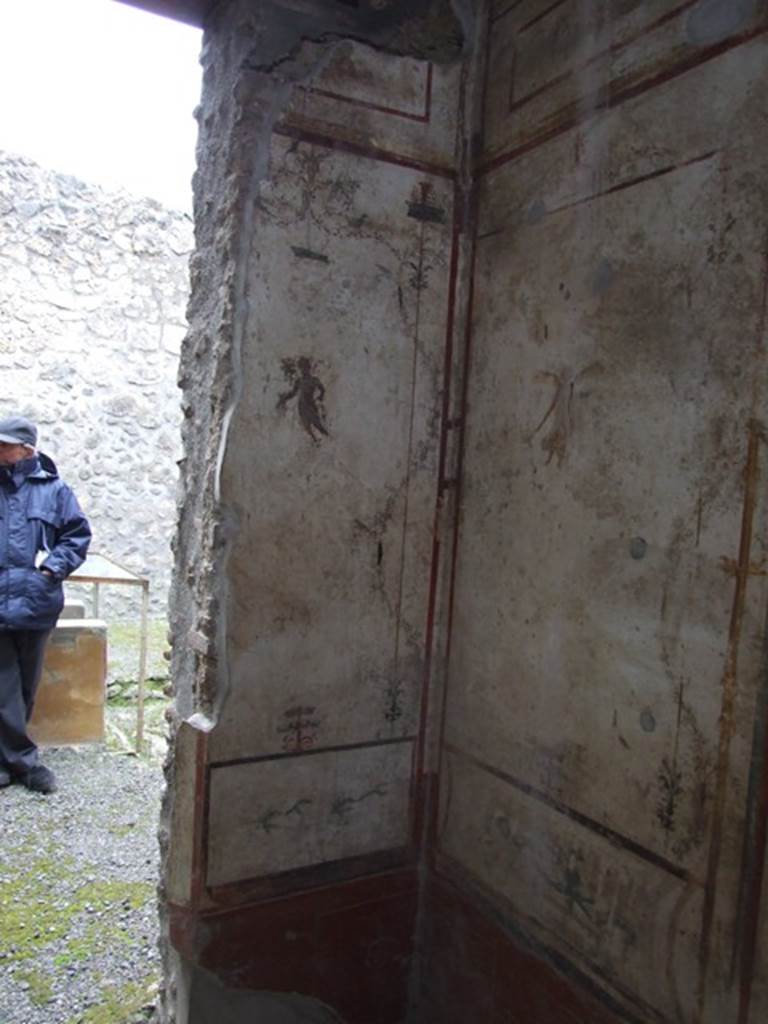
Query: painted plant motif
[(300, 729), (600, 910), (570, 884), (311, 194), (343, 807), (306, 387), (394, 702), (269, 821), (319, 195), (670, 781)]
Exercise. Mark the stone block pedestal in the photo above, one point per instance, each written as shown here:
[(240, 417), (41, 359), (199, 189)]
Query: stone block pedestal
[(70, 701)]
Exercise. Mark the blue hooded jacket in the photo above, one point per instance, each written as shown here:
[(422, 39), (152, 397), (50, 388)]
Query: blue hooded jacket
[(41, 527)]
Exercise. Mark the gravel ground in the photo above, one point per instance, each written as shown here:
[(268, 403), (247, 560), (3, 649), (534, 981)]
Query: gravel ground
[(78, 872)]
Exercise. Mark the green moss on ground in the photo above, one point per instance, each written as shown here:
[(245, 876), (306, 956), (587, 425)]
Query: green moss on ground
[(97, 938), (39, 985), (31, 916), (38, 907), (120, 1004), (105, 894), (121, 831), (153, 691)]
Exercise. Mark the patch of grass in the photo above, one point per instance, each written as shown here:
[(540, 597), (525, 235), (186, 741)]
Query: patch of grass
[(30, 916), (38, 907), (124, 693), (39, 985), (123, 642), (96, 938), (121, 831), (120, 722), (123, 649), (120, 1004), (103, 895)]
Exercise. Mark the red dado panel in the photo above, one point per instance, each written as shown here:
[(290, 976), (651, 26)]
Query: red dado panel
[(349, 945), (473, 971)]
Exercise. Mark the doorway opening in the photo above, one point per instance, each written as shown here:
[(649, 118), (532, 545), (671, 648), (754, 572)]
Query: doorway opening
[(96, 161)]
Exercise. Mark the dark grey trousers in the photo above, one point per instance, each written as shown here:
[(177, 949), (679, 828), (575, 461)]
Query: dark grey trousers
[(21, 665)]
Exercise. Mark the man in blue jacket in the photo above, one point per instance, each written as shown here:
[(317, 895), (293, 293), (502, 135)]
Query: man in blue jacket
[(44, 536)]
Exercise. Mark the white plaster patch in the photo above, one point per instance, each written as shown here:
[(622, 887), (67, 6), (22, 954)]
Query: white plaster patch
[(358, 74)]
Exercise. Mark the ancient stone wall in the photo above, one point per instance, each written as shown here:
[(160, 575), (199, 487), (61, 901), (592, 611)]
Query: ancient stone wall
[(93, 290)]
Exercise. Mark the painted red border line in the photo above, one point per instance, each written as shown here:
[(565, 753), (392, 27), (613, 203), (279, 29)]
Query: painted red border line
[(469, 214), (608, 51), (413, 782), (540, 17), (200, 820), (369, 152), (728, 705), (639, 180), (377, 108), (456, 525), (622, 186), (613, 100), (428, 106), (753, 859), (751, 878), (255, 892), (615, 838), (205, 843), (506, 11), (286, 756), (434, 572)]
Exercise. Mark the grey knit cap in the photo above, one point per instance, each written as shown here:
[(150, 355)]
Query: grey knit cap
[(18, 430)]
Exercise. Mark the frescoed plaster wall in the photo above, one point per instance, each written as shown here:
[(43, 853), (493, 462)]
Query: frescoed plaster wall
[(469, 603), (321, 309), (599, 774)]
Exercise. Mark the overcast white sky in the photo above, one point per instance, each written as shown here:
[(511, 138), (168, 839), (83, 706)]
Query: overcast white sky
[(100, 90)]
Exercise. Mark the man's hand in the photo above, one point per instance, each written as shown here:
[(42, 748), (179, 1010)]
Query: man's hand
[(48, 573)]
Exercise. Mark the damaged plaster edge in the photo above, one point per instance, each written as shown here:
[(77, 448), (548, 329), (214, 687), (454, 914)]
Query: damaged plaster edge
[(381, 30), (276, 95), (208, 995)]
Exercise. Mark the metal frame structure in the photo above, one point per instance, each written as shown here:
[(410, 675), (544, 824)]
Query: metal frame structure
[(100, 569)]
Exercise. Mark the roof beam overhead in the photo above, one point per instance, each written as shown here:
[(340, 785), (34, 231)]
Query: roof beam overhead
[(191, 12)]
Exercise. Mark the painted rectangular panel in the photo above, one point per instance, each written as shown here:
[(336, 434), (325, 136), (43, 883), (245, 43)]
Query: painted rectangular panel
[(398, 108), (363, 76), (569, 61), (575, 43), (341, 386), (610, 594), (575, 166), (618, 917), (271, 816), (605, 532)]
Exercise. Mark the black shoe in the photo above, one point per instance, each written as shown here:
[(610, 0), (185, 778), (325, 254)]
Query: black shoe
[(39, 779), (5, 778)]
